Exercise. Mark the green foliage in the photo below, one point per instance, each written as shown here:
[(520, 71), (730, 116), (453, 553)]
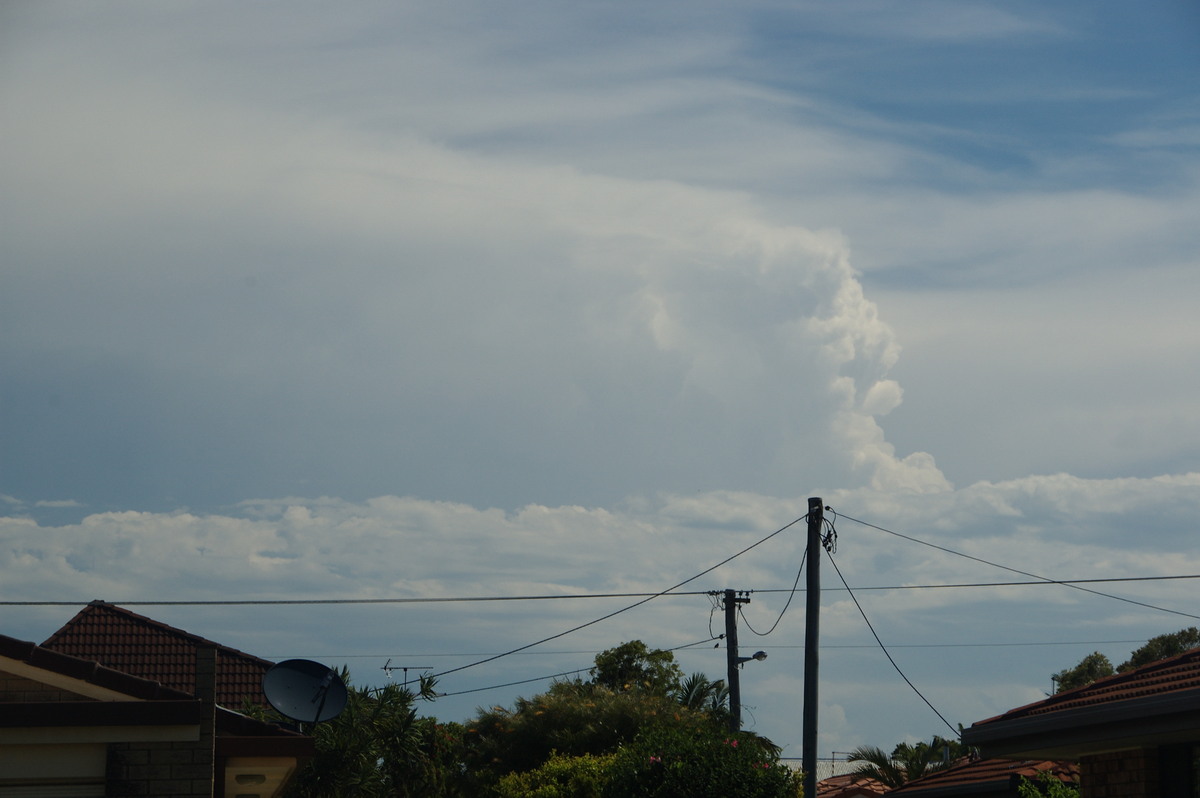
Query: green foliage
[(560, 777), (907, 761), (633, 666), (572, 718), (875, 764), (700, 762), (1161, 647), (559, 742), (1047, 786), (378, 746), (1097, 666), (699, 693), (1092, 667)]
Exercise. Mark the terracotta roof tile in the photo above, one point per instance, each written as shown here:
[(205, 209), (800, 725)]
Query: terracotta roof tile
[(86, 671), (849, 784), (146, 648), (970, 772), (1172, 675)]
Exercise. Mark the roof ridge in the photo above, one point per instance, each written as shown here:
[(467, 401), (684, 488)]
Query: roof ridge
[(99, 605), (1177, 673), (87, 670)]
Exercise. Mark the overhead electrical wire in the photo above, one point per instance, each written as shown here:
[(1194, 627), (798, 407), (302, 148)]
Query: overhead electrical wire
[(512, 684), (647, 597), (824, 647), (788, 603), (1045, 579), (594, 621), (887, 653), (551, 676), (1040, 581)]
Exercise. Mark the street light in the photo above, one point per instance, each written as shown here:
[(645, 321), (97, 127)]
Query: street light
[(735, 685), (733, 662), (757, 655)]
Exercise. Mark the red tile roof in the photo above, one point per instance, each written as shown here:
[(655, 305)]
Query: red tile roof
[(1156, 704), (146, 648), (154, 704), (987, 775), (1172, 675), (849, 785), (86, 671)]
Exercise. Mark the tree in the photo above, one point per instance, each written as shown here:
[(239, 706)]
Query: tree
[(560, 777), (698, 692), (1161, 647), (1050, 786), (1097, 666), (1092, 667), (875, 764), (633, 691), (908, 761), (572, 719), (378, 746), (685, 761), (632, 666)]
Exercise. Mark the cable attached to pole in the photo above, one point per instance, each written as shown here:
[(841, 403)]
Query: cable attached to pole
[(887, 654)]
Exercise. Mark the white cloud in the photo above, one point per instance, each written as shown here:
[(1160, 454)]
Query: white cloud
[(1058, 527), (537, 303), (573, 298)]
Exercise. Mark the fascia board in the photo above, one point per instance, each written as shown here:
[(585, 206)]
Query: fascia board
[(1108, 726)]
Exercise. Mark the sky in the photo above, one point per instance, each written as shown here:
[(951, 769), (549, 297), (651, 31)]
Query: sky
[(401, 302)]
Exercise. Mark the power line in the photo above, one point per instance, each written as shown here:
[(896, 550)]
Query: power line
[(886, 653), (1045, 579), (551, 676), (824, 647), (623, 609), (1040, 581), (512, 684), (791, 595)]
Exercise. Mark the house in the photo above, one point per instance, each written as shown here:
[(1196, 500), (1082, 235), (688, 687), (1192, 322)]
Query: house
[(985, 778), (141, 646), (71, 726), (1134, 735)]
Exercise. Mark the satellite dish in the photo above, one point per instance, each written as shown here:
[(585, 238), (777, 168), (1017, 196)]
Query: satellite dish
[(304, 690)]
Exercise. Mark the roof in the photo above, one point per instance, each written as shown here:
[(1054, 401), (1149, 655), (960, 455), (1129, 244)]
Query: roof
[(143, 647), (848, 785), (1151, 705), (110, 698), (1171, 675), (983, 776), (86, 676)]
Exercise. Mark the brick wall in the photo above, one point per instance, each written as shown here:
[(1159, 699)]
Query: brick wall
[(183, 769), (1124, 774), (171, 769)]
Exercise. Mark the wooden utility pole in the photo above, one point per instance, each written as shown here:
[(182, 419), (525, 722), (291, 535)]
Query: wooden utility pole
[(732, 660), (812, 629)]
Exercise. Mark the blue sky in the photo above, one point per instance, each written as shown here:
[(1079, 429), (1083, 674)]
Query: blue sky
[(439, 301)]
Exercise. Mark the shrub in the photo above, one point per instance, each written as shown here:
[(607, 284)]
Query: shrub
[(700, 762), (560, 777)]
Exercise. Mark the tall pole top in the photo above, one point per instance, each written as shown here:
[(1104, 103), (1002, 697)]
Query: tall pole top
[(816, 514)]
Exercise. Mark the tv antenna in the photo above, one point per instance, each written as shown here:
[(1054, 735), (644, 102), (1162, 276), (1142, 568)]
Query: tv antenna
[(388, 667)]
